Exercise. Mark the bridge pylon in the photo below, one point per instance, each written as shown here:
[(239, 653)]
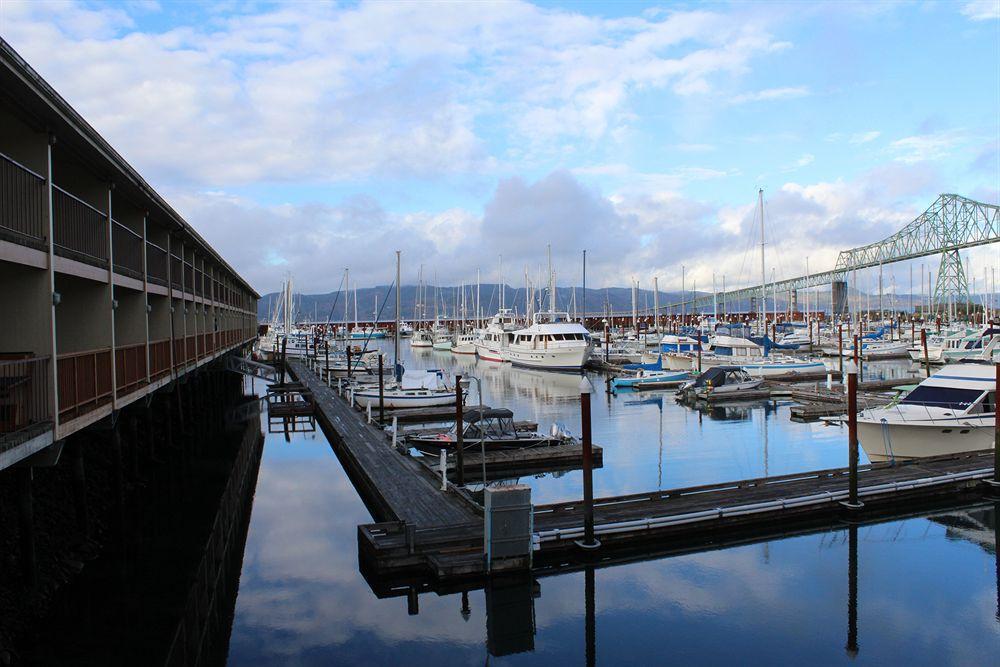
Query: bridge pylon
[(951, 290)]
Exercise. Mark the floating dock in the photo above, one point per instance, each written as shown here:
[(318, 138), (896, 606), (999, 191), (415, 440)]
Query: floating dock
[(699, 515), (435, 538), (407, 489)]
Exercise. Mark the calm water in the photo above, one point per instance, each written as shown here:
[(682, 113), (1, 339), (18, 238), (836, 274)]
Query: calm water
[(926, 588)]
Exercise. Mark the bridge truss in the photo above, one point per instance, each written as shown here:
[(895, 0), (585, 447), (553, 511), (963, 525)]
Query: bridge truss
[(950, 224)]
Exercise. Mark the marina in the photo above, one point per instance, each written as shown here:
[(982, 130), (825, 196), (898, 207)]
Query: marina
[(498, 333)]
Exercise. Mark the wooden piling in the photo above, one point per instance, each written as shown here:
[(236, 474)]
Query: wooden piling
[(459, 443)]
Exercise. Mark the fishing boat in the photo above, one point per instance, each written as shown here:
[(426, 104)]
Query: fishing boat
[(951, 411), (418, 389), (651, 379), (489, 428), (721, 380)]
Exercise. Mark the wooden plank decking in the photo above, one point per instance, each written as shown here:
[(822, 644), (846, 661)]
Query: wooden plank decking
[(394, 487)]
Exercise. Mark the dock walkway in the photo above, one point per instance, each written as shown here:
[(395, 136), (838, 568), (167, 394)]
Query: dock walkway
[(395, 487)]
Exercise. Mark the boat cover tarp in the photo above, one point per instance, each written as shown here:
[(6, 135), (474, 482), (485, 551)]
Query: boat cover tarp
[(423, 379)]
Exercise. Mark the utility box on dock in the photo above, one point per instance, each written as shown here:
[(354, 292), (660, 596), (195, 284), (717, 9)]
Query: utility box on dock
[(508, 526)]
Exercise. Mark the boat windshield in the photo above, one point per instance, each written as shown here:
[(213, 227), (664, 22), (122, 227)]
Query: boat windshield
[(952, 398)]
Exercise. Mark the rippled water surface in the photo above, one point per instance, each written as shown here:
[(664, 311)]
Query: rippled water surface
[(925, 590)]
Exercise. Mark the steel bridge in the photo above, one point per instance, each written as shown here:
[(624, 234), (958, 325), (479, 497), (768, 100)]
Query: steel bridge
[(952, 223)]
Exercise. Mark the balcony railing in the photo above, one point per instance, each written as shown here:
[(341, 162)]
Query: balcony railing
[(156, 264), (180, 353), (22, 202), (130, 368), (80, 229), (176, 271), (24, 399), (84, 382), (188, 278), (127, 250), (159, 359)]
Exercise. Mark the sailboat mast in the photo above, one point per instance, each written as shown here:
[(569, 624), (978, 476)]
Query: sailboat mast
[(683, 295), (763, 274), (500, 280), (552, 283), (395, 339), (656, 305), (635, 311), (715, 299)]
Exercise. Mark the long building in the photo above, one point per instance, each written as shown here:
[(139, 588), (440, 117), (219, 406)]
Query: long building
[(107, 294)]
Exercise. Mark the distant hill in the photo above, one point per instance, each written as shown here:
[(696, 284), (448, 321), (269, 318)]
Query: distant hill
[(320, 307)]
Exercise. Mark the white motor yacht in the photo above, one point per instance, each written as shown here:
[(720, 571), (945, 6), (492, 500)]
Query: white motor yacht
[(552, 342), (951, 411)]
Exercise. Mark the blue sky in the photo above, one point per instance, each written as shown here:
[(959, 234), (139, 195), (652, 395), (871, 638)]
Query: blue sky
[(457, 132)]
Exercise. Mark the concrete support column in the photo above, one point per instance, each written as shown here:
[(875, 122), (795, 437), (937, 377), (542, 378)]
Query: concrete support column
[(838, 297), (53, 366), (113, 303), (170, 303), (145, 286)]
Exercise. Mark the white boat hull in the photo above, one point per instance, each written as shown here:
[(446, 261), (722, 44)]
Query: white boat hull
[(407, 399), (551, 358), (921, 439), (489, 353)]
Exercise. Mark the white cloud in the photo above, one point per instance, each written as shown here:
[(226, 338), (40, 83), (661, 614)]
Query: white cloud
[(864, 137), (981, 10), (924, 147), (770, 94), (325, 93)]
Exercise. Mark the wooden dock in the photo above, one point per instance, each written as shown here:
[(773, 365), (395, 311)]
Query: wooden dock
[(427, 415), (506, 464), (436, 537), (700, 514), (394, 487)]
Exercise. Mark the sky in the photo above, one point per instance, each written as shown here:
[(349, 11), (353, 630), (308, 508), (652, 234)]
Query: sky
[(301, 138)]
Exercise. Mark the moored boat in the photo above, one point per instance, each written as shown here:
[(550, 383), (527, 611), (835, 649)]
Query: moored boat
[(951, 411)]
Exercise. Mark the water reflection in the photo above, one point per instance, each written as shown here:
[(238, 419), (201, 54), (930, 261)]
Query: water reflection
[(904, 590)]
